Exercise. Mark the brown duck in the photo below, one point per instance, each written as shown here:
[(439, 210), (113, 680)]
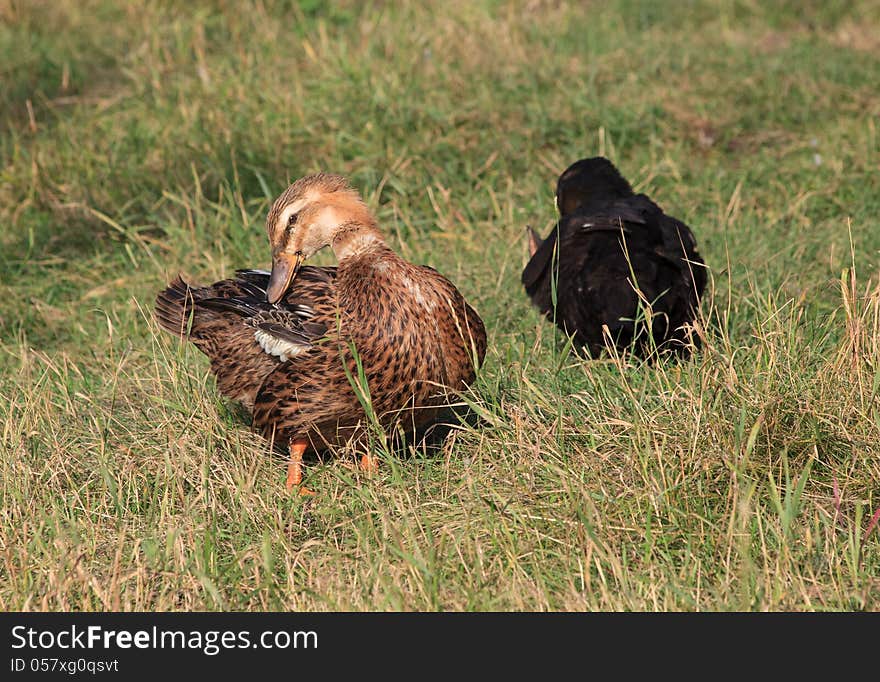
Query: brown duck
[(292, 345)]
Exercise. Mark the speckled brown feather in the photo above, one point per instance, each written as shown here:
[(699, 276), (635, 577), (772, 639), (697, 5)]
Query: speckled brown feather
[(415, 335), (413, 332)]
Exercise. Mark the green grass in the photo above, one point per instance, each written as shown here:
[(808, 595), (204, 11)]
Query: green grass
[(142, 138)]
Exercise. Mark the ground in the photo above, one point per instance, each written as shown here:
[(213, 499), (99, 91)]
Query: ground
[(140, 139)]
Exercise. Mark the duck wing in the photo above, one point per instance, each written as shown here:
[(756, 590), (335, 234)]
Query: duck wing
[(244, 335), (578, 227), (606, 251), (284, 329), (620, 256)]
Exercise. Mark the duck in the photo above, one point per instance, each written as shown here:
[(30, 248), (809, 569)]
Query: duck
[(310, 350), (616, 272)]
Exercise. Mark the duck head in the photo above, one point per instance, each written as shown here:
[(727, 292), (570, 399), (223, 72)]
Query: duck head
[(316, 211), (587, 179)]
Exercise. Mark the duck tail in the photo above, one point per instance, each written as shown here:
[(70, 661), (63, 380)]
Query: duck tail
[(173, 308)]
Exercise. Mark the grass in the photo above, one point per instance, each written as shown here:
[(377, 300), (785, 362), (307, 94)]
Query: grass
[(143, 138)]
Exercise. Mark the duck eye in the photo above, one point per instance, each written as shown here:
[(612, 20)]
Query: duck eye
[(291, 221)]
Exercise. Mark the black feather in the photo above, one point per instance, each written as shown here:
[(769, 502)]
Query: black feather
[(608, 243), (245, 307)]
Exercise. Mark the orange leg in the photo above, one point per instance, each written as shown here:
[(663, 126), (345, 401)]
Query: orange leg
[(294, 466), (369, 464)]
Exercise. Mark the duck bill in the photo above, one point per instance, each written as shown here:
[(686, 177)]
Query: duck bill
[(284, 269), (535, 241)]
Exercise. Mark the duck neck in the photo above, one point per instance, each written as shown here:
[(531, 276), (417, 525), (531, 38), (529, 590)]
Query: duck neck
[(354, 240)]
